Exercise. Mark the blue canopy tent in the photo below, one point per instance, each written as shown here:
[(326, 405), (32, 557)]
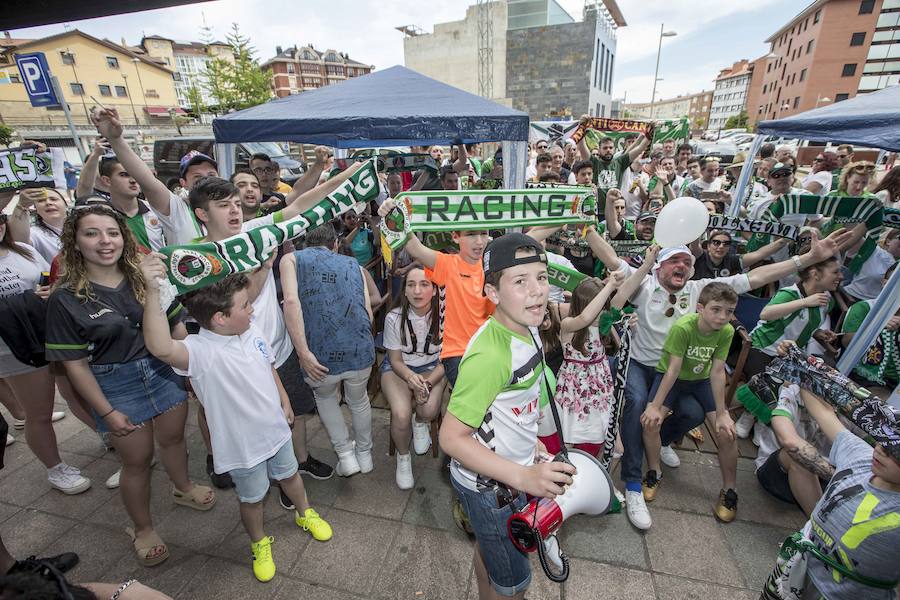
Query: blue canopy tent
[(871, 120), (393, 107)]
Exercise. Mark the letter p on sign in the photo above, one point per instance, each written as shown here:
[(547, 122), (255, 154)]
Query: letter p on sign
[(36, 77)]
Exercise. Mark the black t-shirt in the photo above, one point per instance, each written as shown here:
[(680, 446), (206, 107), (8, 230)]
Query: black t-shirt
[(704, 267), (105, 331)]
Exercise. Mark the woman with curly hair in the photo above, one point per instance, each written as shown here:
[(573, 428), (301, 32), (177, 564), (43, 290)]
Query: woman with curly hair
[(94, 321)]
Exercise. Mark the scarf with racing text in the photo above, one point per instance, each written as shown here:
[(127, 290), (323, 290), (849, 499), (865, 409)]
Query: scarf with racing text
[(195, 266)]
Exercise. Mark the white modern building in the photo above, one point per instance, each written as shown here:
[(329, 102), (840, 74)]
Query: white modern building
[(730, 94)]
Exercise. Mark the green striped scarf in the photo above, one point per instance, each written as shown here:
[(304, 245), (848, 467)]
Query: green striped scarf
[(195, 266), (475, 210)]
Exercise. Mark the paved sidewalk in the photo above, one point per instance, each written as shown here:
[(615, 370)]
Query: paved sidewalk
[(389, 543)]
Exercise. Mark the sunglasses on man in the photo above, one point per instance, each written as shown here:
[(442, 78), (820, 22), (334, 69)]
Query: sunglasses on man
[(718, 243)]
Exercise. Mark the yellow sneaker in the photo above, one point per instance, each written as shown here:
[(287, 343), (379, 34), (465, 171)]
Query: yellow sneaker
[(263, 565), (726, 508), (314, 524), (650, 485)]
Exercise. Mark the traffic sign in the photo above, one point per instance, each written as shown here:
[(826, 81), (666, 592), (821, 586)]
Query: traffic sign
[(36, 77)]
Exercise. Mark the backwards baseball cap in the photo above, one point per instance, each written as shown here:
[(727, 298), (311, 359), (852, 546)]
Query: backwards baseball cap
[(646, 215), (781, 168), (500, 253), (195, 158)]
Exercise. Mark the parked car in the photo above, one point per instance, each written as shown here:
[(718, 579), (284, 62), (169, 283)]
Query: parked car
[(724, 151), (167, 153)]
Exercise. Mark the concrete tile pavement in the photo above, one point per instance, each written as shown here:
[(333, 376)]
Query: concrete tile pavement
[(389, 543)]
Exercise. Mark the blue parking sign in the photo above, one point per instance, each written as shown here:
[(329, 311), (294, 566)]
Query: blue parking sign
[(36, 76)]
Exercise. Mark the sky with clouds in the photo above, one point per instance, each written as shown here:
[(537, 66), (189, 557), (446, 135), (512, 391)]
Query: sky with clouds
[(712, 34)]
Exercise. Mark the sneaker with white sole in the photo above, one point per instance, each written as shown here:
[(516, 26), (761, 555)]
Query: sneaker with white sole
[(347, 464), (9, 439), (113, 481), (669, 457), (57, 415), (636, 509), (421, 436), (68, 479), (365, 461), (744, 424), (405, 479)]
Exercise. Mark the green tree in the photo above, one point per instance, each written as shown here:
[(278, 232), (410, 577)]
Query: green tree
[(6, 134), (241, 84), (737, 121), (195, 98)]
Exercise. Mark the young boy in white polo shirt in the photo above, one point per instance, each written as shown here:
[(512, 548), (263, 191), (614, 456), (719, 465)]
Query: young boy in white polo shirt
[(249, 414)]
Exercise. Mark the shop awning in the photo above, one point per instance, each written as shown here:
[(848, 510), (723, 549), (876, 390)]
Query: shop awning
[(162, 111)]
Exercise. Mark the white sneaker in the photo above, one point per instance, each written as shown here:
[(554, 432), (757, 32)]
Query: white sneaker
[(744, 424), (67, 479), (57, 415), (636, 509), (421, 436), (9, 439), (365, 461), (347, 464), (113, 481), (669, 457), (619, 496), (18, 423), (405, 480)]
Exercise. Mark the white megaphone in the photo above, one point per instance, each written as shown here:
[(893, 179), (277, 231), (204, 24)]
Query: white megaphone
[(532, 528)]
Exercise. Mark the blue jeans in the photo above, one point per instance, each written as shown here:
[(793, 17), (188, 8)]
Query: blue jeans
[(508, 568), (687, 414)]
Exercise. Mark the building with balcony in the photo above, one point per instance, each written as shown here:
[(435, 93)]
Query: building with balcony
[(828, 52), (730, 95), (295, 70)]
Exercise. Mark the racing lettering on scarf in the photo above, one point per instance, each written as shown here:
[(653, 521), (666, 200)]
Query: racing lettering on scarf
[(26, 167), (194, 266), (464, 210), (775, 228), (563, 277)]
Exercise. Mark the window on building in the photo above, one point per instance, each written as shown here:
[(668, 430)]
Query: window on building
[(14, 78), (112, 62), (769, 68), (858, 39), (888, 20), (796, 101), (809, 46), (866, 7), (67, 58), (77, 89), (290, 68), (841, 97), (817, 17), (121, 91), (849, 70), (105, 90)]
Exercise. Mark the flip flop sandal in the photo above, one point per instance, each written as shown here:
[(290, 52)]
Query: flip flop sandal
[(195, 498), (145, 544)]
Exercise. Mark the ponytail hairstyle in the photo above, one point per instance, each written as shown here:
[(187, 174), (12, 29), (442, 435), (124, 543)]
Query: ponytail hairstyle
[(402, 302)]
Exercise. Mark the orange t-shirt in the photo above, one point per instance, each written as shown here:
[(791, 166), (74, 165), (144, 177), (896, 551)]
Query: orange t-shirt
[(466, 307)]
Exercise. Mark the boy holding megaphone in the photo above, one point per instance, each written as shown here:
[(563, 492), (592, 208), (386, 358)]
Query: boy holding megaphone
[(490, 430)]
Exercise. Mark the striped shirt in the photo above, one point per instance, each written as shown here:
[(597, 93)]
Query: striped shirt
[(797, 326)]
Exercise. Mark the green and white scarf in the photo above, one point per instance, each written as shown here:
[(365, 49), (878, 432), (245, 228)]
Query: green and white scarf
[(892, 218), (27, 167), (619, 129), (195, 266), (763, 227), (392, 163), (563, 277), (466, 210)]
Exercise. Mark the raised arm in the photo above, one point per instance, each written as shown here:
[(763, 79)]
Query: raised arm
[(542, 232), (613, 227), (417, 250), (637, 148), (751, 258), (824, 415), (88, 177), (309, 199), (602, 250), (461, 165), (157, 336), (590, 313), (819, 251), (18, 224), (155, 191), (627, 289), (583, 152), (309, 179)]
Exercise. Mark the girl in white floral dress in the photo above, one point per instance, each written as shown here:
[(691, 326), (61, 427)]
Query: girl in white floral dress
[(584, 387)]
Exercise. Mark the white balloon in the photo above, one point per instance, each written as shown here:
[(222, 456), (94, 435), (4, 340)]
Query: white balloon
[(680, 222)]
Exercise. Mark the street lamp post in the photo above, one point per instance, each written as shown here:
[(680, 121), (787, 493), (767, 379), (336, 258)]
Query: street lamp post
[(137, 70), (128, 92), (87, 114), (662, 34)]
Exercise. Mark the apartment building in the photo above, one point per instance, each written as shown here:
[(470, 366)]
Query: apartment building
[(693, 106), (730, 94), (295, 70), (189, 61)]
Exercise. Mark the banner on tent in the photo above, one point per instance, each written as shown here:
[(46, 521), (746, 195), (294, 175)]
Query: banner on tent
[(194, 266), (464, 210), (26, 167)]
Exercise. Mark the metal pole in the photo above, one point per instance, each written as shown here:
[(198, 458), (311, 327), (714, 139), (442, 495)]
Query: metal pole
[(136, 63), (737, 200), (65, 108), (882, 310), (656, 72), (130, 100)]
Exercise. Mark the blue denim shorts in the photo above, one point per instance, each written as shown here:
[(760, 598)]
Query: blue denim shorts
[(508, 568), (141, 389), (701, 390), (252, 484), (386, 366)]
